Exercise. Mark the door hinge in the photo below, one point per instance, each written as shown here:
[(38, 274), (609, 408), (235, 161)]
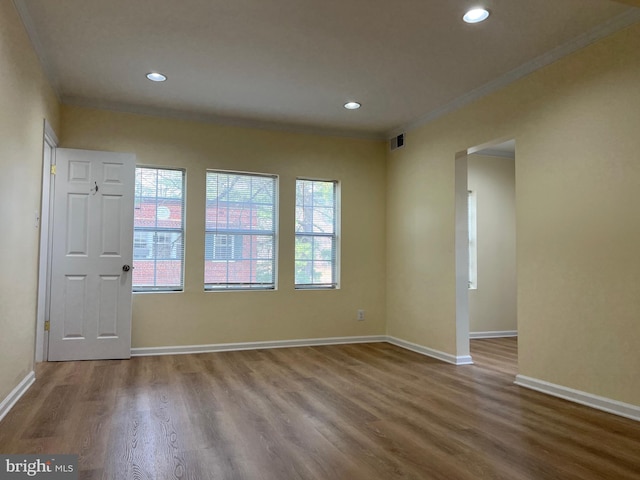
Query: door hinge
[(53, 169), (47, 325)]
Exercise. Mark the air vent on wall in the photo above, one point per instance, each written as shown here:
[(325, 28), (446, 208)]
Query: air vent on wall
[(397, 142)]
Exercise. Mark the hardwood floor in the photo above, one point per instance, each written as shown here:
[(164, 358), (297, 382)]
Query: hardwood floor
[(368, 411)]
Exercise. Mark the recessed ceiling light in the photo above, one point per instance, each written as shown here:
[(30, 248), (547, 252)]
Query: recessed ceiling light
[(476, 15), (352, 105), (156, 77)]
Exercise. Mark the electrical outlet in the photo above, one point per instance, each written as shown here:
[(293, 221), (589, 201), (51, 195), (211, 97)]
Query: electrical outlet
[(360, 315)]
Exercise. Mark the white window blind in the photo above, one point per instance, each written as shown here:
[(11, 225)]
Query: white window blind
[(240, 233), (473, 240), (316, 235), (158, 242)]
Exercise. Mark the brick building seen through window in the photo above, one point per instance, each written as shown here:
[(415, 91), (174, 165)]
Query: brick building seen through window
[(158, 243)]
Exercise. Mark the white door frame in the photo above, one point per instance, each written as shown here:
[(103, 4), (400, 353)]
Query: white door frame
[(50, 140)]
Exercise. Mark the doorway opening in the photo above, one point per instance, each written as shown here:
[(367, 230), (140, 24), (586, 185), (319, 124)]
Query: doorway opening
[(486, 289)]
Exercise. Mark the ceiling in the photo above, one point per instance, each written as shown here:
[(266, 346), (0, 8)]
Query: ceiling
[(505, 149), (292, 64)]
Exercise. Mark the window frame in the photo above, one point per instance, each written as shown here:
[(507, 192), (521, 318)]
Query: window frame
[(335, 236), (472, 219), (163, 231), (237, 233)]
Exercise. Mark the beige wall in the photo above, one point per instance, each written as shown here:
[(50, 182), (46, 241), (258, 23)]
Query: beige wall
[(492, 306), (578, 228), (196, 317), (25, 100), (577, 174)]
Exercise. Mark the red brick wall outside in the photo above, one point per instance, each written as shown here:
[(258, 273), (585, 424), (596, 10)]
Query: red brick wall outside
[(168, 272), (236, 217)]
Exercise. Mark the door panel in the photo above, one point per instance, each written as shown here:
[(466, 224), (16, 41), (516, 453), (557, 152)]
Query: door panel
[(92, 241), (74, 306), (78, 225), (108, 314), (110, 227)]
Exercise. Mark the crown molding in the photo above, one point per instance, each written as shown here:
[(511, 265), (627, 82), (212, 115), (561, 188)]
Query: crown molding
[(229, 121), (603, 30), (36, 43), (609, 27), (27, 21)]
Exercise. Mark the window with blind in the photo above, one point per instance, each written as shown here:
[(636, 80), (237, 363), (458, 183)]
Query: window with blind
[(316, 235), (158, 239), (473, 241), (240, 233)]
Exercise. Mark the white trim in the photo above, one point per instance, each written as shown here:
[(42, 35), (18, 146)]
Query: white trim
[(228, 347), (494, 334), (15, 395), (609, 27), (490, 152), (461, 248), (50, 139), (608, 405), (309, 342), (430, 352), (50, 133)]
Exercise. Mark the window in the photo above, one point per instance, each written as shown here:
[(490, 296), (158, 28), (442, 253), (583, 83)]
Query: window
[(473, 241), (316, 248), (158, 238), (240, 235), (220, 247)]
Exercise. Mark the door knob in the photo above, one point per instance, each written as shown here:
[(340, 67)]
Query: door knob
[(126, 268)]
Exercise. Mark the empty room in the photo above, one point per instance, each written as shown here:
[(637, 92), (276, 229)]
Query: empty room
[(319, 240)]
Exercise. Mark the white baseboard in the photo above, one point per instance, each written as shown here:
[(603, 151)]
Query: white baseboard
[(430, 352), (494, 334), (227, 347), (622, 409), (310, 342), (15, 395)]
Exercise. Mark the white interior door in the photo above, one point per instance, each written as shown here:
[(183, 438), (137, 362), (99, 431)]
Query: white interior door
[(90, 310)]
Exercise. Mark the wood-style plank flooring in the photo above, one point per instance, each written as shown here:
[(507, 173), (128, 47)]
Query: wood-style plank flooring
[(368, 411)]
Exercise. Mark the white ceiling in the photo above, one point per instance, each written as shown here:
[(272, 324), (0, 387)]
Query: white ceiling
[(293, 63)]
